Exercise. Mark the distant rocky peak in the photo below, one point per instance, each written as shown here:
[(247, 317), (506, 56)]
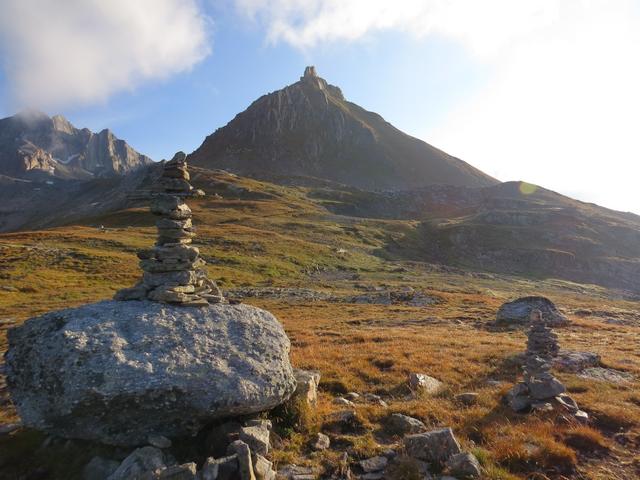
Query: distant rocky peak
[(311, 78), (34, 145), (309, 72), (61, 124)]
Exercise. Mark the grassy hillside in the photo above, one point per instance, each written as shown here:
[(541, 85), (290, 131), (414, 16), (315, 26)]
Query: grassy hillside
[(261, 235)]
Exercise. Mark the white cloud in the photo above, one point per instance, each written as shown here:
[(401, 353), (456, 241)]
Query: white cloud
[(57, 53), (485, 26), (562, 108), (563, 103)]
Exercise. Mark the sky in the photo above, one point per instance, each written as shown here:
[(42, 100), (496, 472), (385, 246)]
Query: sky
[(544, 91)]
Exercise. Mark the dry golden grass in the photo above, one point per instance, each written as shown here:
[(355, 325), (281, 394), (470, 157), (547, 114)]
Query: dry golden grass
[(287, 240)]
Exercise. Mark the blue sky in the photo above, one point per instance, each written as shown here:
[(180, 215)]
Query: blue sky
[(538, 90)]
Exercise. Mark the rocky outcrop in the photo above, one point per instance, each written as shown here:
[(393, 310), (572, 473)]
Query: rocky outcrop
[(309, 129), (35, 146), (119, 372), (518, 312)]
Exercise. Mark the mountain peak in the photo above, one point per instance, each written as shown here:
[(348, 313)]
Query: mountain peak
[(61, 124), (36, 146), (310, 129), (309, 72)]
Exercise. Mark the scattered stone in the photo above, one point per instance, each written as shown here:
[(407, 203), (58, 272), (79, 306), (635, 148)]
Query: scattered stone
[(159, 441), (245, 462), (142, 461), (467, 399), (219, 469), (567, 402), (374, 464), (173, 270), (186, 471), (376, 399), (542, 407), (257, 438), (436, 446), (343, 402), (606, 375), (353, 396), (263, 468), (569, 361), (518, 312), (424, 383), (307, 382), (321, 442), (99, 468), (294, 472), (464, 465), (345, 421), (581, 416), (403, 424), (162, 362)]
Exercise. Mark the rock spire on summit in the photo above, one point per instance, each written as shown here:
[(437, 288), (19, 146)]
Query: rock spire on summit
[(309, 72)]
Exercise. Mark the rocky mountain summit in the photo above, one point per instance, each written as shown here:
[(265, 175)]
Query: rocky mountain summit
[(309, 129), (36, 146)]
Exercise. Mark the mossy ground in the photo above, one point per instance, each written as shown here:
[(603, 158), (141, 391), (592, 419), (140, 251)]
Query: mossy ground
[(261, 234)]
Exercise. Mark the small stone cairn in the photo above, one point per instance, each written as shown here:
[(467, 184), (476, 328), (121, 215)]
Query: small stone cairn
[(173, 269), (540, 387)]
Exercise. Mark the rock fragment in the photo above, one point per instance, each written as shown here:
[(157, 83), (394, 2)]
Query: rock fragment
[(141, 461), (307, 382), (321, 442), (436, 446), (464, 465), (424, 383), (186, 471), (403, 424)]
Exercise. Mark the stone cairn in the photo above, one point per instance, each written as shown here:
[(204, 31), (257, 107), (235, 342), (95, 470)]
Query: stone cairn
[(540, 387), (173, 269)]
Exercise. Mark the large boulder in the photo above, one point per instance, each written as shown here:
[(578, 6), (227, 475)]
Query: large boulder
[(518, 312), (118, 372)]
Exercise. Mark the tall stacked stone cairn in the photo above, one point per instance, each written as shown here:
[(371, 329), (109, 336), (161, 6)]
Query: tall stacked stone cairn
[(173, 269), (171, 363), (540, 389)]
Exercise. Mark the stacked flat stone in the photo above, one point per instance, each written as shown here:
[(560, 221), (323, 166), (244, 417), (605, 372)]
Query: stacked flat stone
[(173, 269), (542, 348), (540, 386)]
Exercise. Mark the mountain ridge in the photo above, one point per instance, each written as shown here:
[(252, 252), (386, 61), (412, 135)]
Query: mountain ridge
[(309, 128), (38, 147)]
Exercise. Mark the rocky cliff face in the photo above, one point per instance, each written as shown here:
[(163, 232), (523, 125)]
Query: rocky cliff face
[(309, 129), (35, 146)]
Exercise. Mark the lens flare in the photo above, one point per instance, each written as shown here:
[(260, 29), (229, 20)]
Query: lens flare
[(527, 188)]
